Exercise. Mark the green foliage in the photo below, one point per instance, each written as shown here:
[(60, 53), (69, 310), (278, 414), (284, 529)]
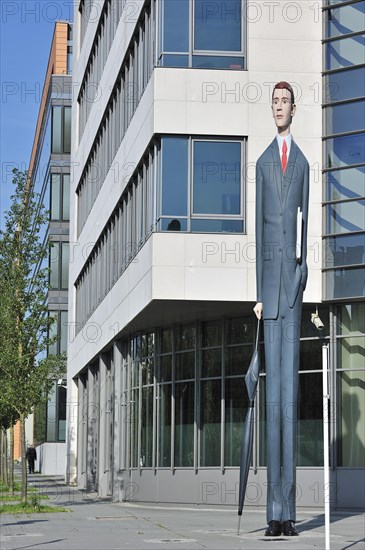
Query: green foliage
[(24, 323)]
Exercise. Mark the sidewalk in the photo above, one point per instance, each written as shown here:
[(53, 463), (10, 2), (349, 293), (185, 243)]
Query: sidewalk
[(96, 524)]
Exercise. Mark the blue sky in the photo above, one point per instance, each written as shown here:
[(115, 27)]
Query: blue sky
[(25, 40)]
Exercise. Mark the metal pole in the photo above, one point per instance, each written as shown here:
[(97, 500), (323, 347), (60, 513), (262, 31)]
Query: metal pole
[(326, 445)]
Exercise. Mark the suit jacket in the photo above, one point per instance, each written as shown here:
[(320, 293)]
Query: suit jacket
[(277, 199)]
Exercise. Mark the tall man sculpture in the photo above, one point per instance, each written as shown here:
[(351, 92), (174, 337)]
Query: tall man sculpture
[(282, 187)]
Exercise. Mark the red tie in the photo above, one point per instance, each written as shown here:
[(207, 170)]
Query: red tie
[(284, 159)]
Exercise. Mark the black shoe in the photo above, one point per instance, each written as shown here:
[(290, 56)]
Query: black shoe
[(274, 529), (289, 529)]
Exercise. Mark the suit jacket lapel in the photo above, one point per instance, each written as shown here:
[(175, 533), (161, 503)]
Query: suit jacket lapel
[(277, 166), (290, 169)]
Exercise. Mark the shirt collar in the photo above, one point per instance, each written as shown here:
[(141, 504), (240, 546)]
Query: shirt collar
[(280, 141)]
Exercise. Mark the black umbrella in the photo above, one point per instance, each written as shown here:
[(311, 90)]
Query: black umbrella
[(251, 379)]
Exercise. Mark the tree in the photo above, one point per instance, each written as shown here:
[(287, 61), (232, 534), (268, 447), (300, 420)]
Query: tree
[(25, 368)]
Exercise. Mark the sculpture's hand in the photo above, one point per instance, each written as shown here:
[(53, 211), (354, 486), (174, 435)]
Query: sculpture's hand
[(258, 310)]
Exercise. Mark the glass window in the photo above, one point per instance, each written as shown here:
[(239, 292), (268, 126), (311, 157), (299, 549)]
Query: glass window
[(344, 85), (65, 264), (236, 403), (57, 129), (66, 197), (55, 196), (185, 337), (211, 334), (185, 366), (61, 412), (217, 62), (176, 26), (351, 419), (170, 60), (345, 184), (164, 433), (216, 226), (310, 420), (54, 258), (344, 151), (174, 176), (351, 318), (217, 25), (345, 19), (184, 424), (345, 52), (146, 427), (210, 430), (350, 352), (345, 283), (134, 414), (344, 250), (211, 362), (347, 216), (238, 331), (217, 177), (345, 118), (52, 414), (237, 360), (53, 333), (165, 369), (63, 331)]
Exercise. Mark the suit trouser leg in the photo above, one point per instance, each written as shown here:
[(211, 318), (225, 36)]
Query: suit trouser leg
[(282, 337)]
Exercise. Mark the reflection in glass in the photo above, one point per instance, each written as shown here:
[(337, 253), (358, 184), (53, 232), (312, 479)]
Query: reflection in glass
[(344, 250), (65, 265), (345, 184), (54, 258), (216, 226), (217, 177), (185, 365), (170, 60), (310, 420), (215, 62), (165, 370), (55, 196), (346, 150), (164, 433), (173, 224), (211, 362), (57, 129), (237, 360), (217, 25), (351, 352), (184, 425), (311, 353), (211, 334), (176, 26), (345, 84), (185, 337), (345, 52), (239, 331), (174, 176), (210, 426), (67, 129), (146, 427), (63, 331), (348, 117), (53, 332), (236, 403), (133, 410), (351, 318), (345, 20), (166, 340), (343, 217), (345, 283), (66, 197), (351, 419)]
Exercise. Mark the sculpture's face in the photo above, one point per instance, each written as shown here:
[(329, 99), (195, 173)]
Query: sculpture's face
[(282, 108)]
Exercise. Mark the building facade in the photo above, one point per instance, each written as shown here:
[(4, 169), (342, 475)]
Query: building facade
[(171, 110), (49, 170)]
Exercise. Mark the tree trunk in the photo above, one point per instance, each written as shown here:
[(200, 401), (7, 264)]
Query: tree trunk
[(24, 460), (5, 453), (11, 460)]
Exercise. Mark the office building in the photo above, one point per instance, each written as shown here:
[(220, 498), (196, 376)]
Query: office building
[(171, 110)]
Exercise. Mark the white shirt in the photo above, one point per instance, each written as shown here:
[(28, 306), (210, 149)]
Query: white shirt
[(280, 141)]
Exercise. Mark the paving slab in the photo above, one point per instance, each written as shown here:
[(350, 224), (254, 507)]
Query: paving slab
[(98, 524)]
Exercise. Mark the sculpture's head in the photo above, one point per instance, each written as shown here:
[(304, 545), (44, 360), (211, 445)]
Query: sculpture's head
[(283, 105)]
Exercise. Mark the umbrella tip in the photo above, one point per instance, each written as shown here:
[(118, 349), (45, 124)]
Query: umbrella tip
[(239, 525)]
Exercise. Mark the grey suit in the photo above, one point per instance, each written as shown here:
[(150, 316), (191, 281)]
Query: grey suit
[(280, 280)]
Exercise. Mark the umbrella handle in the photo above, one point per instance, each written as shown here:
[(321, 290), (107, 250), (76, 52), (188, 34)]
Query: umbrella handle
[(257, 334), (239, 523)]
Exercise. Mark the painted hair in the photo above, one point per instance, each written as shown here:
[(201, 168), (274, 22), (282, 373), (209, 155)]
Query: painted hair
[(282, 85)]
